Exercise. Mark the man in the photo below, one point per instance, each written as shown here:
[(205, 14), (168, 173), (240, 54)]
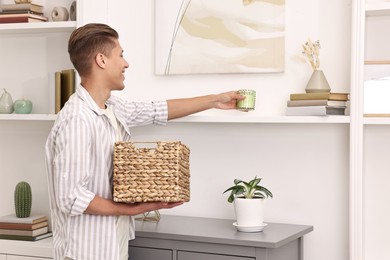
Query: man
[(87, 223)]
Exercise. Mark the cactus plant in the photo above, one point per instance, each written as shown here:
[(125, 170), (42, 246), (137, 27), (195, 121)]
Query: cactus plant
[(23, 199)]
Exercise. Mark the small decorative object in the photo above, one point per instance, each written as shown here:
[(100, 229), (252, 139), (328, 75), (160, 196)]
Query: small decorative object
[(23, 199), (23, 106), (249, 102), (73, 11), (249, 202), (59, 13), (148, 216), (6, 103), (317, 82)]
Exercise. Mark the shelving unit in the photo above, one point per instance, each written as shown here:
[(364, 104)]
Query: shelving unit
[(30, 51), (30, 74), (368, 168)]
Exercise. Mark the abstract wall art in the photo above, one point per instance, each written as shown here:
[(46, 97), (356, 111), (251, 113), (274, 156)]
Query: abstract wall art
[(219, 36)]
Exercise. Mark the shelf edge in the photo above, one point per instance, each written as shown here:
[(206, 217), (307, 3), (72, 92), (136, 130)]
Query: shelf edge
[(265, 119), (27, 117)]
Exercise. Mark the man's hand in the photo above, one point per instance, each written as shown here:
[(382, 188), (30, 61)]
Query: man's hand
[(228, 100)]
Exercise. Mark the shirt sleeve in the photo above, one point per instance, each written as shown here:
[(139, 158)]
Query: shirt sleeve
[(71, 167), (141, 113)]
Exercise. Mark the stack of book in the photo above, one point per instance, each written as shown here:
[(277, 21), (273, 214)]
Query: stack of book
[(32, 228), (21, 13), (317, 104)]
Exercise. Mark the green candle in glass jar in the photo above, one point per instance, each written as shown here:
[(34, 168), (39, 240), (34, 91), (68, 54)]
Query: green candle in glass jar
[(249, 102)]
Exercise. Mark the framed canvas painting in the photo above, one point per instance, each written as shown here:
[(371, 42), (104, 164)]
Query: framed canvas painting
[(219, 36)]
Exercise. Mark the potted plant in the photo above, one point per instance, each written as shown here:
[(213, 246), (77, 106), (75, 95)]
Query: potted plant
[(249, 202)]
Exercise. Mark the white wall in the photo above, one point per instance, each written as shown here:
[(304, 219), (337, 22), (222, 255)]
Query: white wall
[(305, 165)]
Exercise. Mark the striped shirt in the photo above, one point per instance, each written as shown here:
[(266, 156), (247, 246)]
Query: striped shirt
[(79, 152)]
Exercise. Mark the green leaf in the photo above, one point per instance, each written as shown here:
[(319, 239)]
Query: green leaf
[(254, 182), (231, 198), (231, 188), (239, 190), (237, 181), (264, 191)]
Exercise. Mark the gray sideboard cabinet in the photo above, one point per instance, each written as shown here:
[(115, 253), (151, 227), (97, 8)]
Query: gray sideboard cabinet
[(194, 238)]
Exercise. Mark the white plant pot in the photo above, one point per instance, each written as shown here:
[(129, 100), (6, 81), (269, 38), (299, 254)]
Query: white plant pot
[(249, 212)]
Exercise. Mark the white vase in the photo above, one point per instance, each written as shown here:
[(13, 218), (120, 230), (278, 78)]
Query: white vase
[(249, 212), (73, 11), (59, 14), (317, 83)]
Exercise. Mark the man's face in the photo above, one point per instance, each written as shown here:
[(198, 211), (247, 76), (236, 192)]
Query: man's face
[(116, 66)]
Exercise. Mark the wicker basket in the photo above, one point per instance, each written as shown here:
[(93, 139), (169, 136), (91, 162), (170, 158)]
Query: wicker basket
[(161, 173)]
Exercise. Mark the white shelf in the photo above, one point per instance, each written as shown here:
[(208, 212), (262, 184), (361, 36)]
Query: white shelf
[(378, 9), (209, 119), (40, 248), (264, 119), (44, 27), (28, 117), (377, 120)]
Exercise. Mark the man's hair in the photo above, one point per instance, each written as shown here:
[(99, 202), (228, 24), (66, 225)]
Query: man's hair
[(87, 41)]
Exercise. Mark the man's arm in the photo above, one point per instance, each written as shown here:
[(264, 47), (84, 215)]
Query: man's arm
[(186, 106), (101, 206)]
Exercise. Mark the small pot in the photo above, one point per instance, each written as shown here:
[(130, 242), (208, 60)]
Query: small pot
[(249, 212)]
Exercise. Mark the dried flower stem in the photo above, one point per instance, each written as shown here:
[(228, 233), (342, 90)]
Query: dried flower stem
[(311, 51)]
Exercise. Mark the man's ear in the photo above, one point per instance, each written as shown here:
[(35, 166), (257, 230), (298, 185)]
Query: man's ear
[(100, 60)]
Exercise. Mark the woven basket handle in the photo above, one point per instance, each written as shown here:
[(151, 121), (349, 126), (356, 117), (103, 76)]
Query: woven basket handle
[(151, 147)]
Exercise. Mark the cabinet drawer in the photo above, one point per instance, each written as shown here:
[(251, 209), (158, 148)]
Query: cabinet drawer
[(145, 253), (183, 255)]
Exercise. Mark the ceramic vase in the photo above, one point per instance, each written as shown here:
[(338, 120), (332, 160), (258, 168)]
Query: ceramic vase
[(317, 83), (73, 11), (6, 103), (59, 14)]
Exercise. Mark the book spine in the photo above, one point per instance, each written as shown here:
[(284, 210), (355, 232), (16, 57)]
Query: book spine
[(67, 85), (13, 237), (57, 92), (17, 226), (14, 232), (29, 220), (26, 238)]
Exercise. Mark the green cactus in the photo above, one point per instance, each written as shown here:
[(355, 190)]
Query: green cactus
[(23, 199)]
